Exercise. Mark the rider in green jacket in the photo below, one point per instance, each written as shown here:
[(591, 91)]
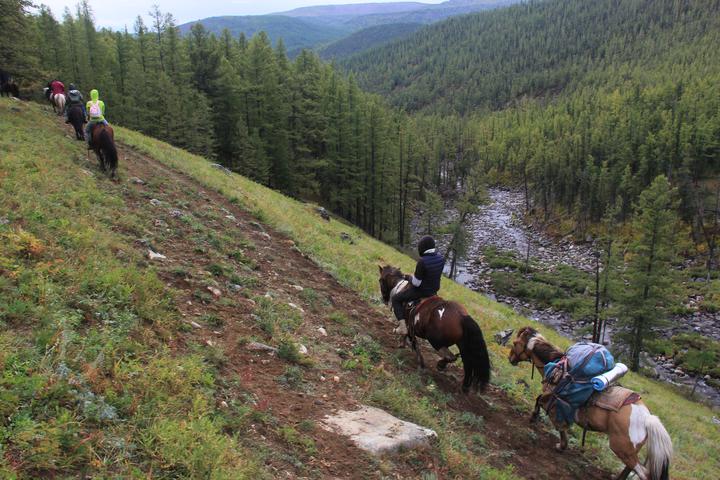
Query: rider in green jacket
[(96, 114)]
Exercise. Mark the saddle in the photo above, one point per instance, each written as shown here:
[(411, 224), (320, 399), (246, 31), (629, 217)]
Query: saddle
[(416, 307), (613, 398)]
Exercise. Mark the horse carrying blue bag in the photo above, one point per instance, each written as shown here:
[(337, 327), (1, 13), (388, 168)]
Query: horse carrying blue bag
[(581, 363)]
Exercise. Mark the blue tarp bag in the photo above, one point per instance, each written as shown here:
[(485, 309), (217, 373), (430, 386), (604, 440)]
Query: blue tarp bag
[(573, 380)]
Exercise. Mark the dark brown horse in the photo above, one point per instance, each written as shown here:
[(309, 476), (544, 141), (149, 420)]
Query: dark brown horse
[(103, 144), (77, 120), (443, 324), (8, 87), (628, 428)]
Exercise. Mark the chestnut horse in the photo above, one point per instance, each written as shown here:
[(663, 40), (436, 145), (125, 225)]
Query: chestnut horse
[(103, 144), (628, 429), (443, 324)]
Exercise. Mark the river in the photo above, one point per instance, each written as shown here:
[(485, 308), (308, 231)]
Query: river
[(499, 224)]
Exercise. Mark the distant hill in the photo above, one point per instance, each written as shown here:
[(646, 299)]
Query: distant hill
[(427, 14), (356, 9), (367, 38), (314, 27), (297, 33), (489, 59)]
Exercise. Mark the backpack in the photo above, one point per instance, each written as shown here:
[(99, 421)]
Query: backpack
[(74, 96), (572, 377), (95, 110)]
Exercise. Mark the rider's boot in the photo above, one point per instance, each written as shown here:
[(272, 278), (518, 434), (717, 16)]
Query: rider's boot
[(401, 328)]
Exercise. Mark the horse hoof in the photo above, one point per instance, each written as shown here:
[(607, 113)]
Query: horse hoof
[(559, 448)]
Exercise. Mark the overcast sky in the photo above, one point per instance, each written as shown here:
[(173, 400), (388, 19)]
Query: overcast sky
[(118, 13)]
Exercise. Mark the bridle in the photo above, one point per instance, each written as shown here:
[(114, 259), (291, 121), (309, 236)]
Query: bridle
[(399, 286), (528, 356)]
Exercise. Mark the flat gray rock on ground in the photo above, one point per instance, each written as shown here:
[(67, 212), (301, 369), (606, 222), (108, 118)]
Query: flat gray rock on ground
[(376, 431)]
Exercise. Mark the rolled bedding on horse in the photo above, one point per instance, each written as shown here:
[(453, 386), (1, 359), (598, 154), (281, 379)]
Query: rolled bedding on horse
[(602, 381), (572, 377)]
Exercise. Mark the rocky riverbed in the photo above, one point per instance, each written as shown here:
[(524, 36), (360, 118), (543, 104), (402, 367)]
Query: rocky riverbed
[(499, 224)]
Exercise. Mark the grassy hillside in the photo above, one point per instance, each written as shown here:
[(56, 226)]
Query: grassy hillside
[(89, 379), (103, 373), (690, 424)]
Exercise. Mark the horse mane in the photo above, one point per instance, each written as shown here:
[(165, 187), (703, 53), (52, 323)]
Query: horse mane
[(392, 271), (538, 344)]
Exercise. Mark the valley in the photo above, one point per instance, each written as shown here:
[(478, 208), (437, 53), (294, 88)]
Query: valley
[(214, 311), (502, 239)]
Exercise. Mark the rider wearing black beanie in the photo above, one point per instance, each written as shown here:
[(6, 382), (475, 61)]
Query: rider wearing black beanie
[(426, 280)]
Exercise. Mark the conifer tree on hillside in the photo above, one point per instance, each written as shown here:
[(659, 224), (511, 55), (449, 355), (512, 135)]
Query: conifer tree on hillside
[(649, 275), (16, 46)]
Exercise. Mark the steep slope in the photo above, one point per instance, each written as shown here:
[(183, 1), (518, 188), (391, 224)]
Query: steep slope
[(488, 59), (366, 39), (297, 33), (132, 349), (146, 362)]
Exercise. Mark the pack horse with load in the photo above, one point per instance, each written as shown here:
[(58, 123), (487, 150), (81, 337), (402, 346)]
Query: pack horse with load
[(579, 387)]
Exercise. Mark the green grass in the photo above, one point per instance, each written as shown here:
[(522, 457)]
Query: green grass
[(86, 384), (564, 288), (690, 424), (682, 346)]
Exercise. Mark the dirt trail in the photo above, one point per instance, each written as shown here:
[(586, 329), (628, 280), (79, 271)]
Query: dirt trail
[(180, 217)]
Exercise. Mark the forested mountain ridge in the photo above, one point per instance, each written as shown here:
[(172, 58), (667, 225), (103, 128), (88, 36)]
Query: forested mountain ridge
[(299, 126), (486, 60), (593, 100), (313, 27), (354, 9), (296, 33), (366, 39)]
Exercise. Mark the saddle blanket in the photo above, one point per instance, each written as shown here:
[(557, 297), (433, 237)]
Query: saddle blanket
[(428, 303), (613, 398)]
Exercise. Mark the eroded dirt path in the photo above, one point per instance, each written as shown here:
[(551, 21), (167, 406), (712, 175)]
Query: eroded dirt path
[(222, 262)]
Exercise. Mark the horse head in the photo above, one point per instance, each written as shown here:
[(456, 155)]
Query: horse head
[(389, 277), (521, 347)]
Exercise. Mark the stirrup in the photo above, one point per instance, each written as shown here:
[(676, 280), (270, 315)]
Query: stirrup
[(401, 329)]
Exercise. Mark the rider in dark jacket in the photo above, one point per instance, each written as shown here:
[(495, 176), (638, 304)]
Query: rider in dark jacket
[(424, 283), (74, 98)]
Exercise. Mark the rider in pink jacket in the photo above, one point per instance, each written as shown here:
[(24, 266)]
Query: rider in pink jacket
[(56, 87)]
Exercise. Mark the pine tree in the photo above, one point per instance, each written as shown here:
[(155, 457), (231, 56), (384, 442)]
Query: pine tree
[(16, 46), (648, 277)]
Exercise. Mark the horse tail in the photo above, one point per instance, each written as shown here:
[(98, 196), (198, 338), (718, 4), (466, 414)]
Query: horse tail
[(107, 145), (474, 353), (660, 448)]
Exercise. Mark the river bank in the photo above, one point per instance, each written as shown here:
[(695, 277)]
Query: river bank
[(499, 226)]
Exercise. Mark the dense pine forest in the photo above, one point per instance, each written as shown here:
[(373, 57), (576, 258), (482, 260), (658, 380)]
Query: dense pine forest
[(298, 126), (580, 125), (582, 103)]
